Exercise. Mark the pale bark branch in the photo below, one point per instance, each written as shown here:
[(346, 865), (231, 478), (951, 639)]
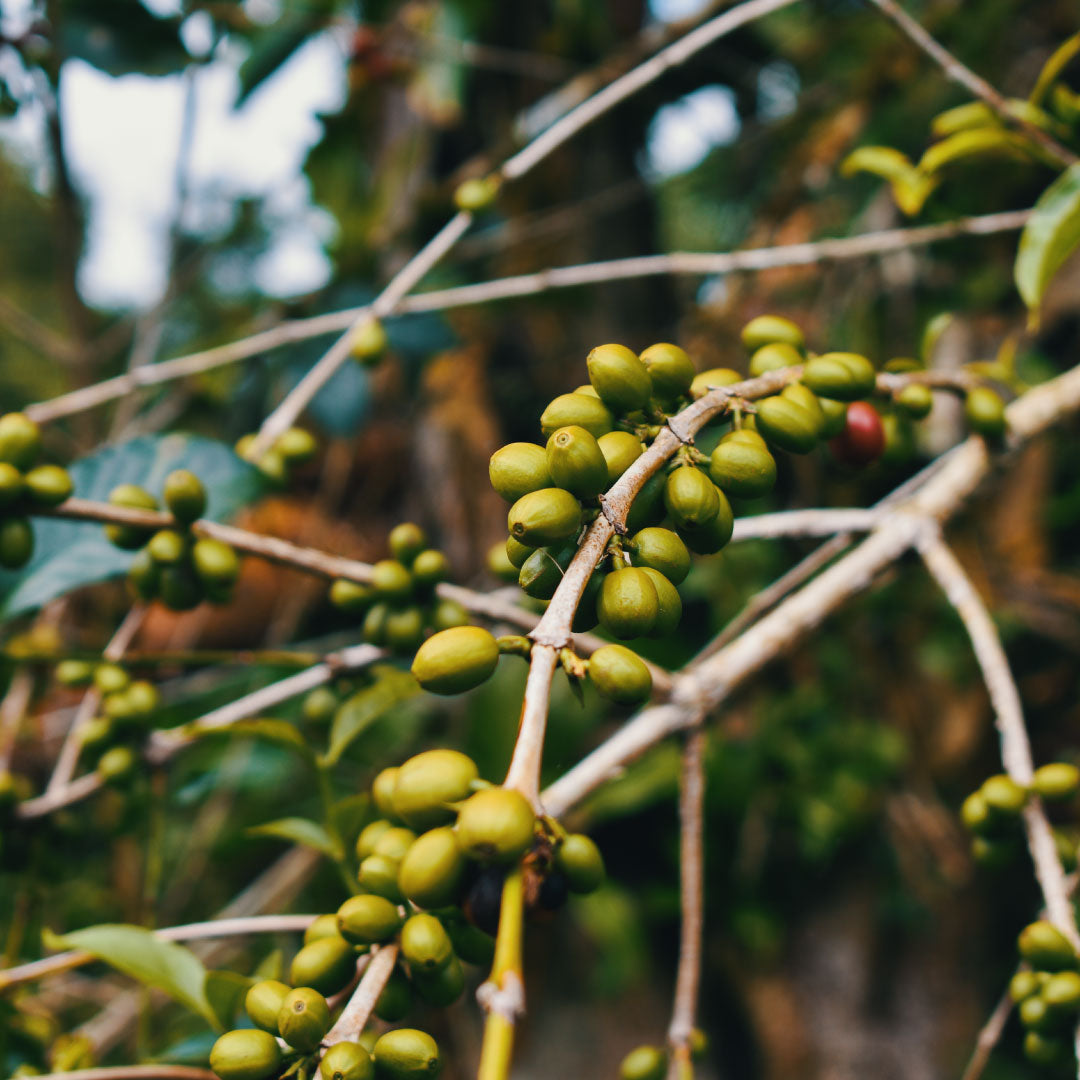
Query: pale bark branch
[(356, 1014), (989, 1036), (134, 1072)]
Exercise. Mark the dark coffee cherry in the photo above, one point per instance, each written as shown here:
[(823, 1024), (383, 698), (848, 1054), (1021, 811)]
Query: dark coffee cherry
[(619, 378), (304, 1018), (456, 660), (406, 1054), (576, 463), (620, 675), (347, 1061), (246, 1055), (862, 441), (406, 541), (484, 901), (184, 496), (547, 516)]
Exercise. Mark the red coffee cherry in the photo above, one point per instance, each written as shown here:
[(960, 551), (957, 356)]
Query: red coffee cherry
[(863, 439)]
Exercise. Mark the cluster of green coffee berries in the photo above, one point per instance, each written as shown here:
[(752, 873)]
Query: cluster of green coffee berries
[(399, 606), (289, 451), (368, 342), (648, 1062), (1047, 993), (172, 565), (23, 486), (127, 708), (992, 813)]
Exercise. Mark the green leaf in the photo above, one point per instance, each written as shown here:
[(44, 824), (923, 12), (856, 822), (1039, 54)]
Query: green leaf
[(1049, 238), (70, 554), (137, 952), (270, 967), (883, 161), (300, 831), (1053, 68), (351, 814), (278, 731), (360, 711), (974, 142), (121, 39), (225, 991), (932, 334)]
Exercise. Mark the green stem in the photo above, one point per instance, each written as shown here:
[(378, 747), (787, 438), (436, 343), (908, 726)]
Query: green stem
[(504, 983)]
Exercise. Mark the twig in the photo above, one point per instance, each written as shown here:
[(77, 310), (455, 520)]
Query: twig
[(134, 1072), (524, 285), (960, 73), (355, 1015), (692, 893), (38, 336), (988, 1038), (823, 522), (12, 710)]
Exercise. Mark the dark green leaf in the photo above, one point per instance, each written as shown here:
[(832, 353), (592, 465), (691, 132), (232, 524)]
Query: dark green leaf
[(351, 814), (300, 831), (1049, 238), (366, 706), (225, 991), (120, 38)]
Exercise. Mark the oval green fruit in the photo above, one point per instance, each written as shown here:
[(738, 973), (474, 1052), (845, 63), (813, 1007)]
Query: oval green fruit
[(429, 568), (1023, 984), (433, 869), (499, 564), (263, 1002), (16, 542), (470, 943), (215, 562), (304, 1018), (773, 357), (109, 678), (167, 547), (297, 446), (985, 412), (808, 400), (690, 497), (179, 589), (1046, 948), (620, 378), (1044, 1049), (620, 449), (346, 1061), (378, 875), (443, 986), (542, 571), (669, 604), (741, 465), (396, 1000), (367, 920), (320, 705), (766, 329), (325, 965), (786, 424), (620, 675), (841, 376), (576, 463), (544, 517), (406, 541), (246, 1055), (325, 926), (184, 495), (20, 440), (495, 825), (11, 484), (48, 485), (1058, 780), (406, 1054), (517, 552), (648, 506), (518, 468), (404, 629), (643, 1063), (369, 836), (478, 193), (975, 814), (1004, 797), (581, 863), (368, 341), (382, 791), (395, 841), (132, 497), (425, 943), (670, 369), (351, 596), (456, 660), (915, 400), (660, 549), (1062, 992), (704, 381), (710, 538), (578, 410), (391, 580), (428, 781), (835, 413), (628, 605)]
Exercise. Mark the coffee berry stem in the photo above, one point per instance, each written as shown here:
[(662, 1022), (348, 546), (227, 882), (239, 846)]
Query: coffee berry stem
[(502, 996)]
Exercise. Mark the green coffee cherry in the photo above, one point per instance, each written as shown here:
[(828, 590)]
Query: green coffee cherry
[(1036, 1015), (378, 875), (495, 825), (628, 605), (669, 609), (144, 575), (577, 410), (766, 329), (1062, 992), (185, 496), (581, 863), (975, 814), (1003, 796), (741, 465), (16, 542), (11, 484), (901, 365), (20, 440), (1024, 984), (167, 547), (429, 568), (432, 870), (396, 841), (246, 1055), (116, 765), (216, 563), (585, 617), (367, 920), (373, 629), (447, 614), (404, 629), (517, 552), (368, 341), (74, 672), (915, 400), (369, 836), (518, 468), (994, 853), (648, 507), (713, 535), (304, 1018), (471, 944), (620, 449), (644, 1063), (1044, 1049), (391, 580), (346, 1061), (544, 517), (620, 675), (351, 596), (130, 537), (443, 986), (620, 378), (297, 446), (477, 194), (499, 564), (179, 588), (704, 381), (1056, 781), (425, 943), (840, 376), (787, 424), (48, 485), (542, 571), (396, 1000), (325, 926), (670, 370), (320, 705), (985, 412), (660, 549), (773, 357), (97, 732), (1046, 948), (325, 965), (406, 541), (382, 791), (456, 660), (576, 463), (405, 1054), (109, 678), (691, 497), (835, 413), (142, 697)]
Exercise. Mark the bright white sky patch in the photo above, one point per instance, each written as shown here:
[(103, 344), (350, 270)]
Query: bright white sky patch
[(682, 134), (673, 10)]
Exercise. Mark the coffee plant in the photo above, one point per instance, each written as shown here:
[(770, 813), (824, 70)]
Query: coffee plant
[(559, 702)]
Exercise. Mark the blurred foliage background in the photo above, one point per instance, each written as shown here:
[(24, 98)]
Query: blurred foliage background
[(847, 931)]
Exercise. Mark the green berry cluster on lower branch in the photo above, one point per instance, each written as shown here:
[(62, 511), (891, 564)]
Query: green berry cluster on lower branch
[(1047, 993), (431, 869), (289, 451)]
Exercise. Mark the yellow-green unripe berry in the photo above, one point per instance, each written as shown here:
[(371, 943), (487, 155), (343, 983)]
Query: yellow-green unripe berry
[(378, 875), (478, 193), (709, 538), (628, 605), (620, 449), (992, 852), (443, 986), (320, 705), (20, 440), (1046, 948), (577, 410), (297, 446), (74, 672), (215, 562), (447, 614), (325, 926), (144, 575), (901, 365), (431, 873), (368, 341), (704, 381), (581, 863), (648, 506), (773, 357), (405, 1054), (786, 424), (806, 398), (471, 944), (429, 568), (351, 596), (544, 517), (669, 604), (518, 468), (373, 629), (576, 463), (662, 550), (1003, 796), (620, 675), (16, 542), (690, 497), (1058, 780), (167, 547), (369, 836), (382, 791), (499, 564), (835, 413), (367, 920), (915, 400), (116, 765), (985, 412), (404, 629), (1044, 1049), (619, 377), (456, 660), (1062, 992), (741, 465), (391, 580), (425, 943), (766, 329), (325, 965), (129, 537), (304, 1018), (394, 842), (246, 1055), (143, 697), (184, 495), (109, 678), (396, 1000), (517, 552), (643, 1063), (841, 376), (975, 814), (495, 825), (1023, 984), (406, 541), (670, 370), (48, 485), (346, 1061), (11, 484), (1036, 1015), (263, 1002), (427, 782)]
